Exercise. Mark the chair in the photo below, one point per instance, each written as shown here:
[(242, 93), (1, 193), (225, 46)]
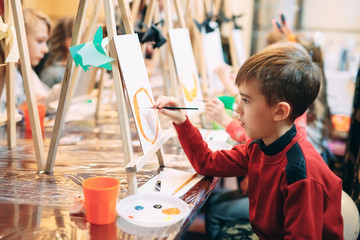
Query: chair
[(350, 215)]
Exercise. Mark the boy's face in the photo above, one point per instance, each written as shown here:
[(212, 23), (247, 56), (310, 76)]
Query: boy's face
[(37, 38), (256, 116)]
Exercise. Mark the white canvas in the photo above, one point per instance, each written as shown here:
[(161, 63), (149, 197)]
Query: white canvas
[(186, 67), (239, 46), (138, 87), (213, 57)]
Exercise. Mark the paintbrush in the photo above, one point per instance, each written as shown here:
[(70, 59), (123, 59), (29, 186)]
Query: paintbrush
[(186, 182), (157, 186)]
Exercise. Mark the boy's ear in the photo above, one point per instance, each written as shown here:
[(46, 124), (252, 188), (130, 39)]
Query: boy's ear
[(282, 111)]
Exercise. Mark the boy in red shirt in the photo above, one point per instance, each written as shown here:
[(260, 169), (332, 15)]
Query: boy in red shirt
[(292, 192)]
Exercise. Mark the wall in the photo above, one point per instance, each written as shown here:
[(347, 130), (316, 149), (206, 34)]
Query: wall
[(56, 9)]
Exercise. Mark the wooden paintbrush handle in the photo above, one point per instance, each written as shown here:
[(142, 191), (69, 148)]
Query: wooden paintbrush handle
[(186, 182)]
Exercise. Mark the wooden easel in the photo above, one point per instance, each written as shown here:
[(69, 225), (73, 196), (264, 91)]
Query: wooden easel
[(196, 10), (169, 25), (134, 10), (15, 6), (10, 85), (230, 25), (88, 37), (164, 54), (67, 81), (132, 165)]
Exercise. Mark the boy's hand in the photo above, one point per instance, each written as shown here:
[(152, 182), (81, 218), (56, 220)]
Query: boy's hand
[(175, 115)]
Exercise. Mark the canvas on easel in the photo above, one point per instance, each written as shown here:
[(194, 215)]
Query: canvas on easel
[(137, 85), (239, 46), (184, 60), (214, 57), (186, 67), (138, 88), (206, 40)]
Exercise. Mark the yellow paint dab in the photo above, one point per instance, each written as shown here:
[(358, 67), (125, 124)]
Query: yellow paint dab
[(168, 218)]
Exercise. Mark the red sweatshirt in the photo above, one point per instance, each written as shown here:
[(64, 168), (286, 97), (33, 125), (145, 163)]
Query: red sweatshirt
[(292, 192)]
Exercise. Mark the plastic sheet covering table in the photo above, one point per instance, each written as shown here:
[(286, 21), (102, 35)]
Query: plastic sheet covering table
[(36, 206)]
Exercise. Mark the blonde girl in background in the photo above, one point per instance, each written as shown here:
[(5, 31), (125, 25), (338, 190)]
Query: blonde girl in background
[(37, 27)]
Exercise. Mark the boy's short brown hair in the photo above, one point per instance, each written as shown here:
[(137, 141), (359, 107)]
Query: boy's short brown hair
[(285, 74)]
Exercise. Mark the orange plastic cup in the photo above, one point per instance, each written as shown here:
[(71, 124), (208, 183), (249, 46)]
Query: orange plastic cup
[(42, 112), (100, 195)]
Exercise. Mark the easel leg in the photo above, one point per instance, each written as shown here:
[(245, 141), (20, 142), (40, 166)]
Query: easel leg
[(119, 91), (160, 156), (28, 86), (65, 89), (10, 84), (100, 93), (10, 100)]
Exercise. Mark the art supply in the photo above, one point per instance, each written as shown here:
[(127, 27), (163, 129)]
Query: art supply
[(283, 20), (228, 101), (42, 112), (152, 210), (279, 27), (100, 195), (157, 186), (186, 182), (172, 108)]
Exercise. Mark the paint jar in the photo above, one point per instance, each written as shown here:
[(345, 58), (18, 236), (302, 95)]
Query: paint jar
[(100, 194), (41, 111)]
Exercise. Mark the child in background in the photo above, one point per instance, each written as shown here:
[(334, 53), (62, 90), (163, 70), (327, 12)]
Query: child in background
[(37, 28), (59, 44), (318, 125), (215, 109), (292, 192)]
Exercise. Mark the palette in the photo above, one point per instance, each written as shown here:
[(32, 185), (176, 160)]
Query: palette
[(152, 209)]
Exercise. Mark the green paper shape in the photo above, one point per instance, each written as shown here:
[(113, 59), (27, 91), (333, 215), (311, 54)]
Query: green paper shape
[(92, 53), (98, 38), (73, 51)]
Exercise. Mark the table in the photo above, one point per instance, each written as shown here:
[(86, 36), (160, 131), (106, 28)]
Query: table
[(36, 206)]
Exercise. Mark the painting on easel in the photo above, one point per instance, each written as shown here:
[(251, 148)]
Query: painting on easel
[(138, 87), (213, 57), (186, 67), (239, 46)]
